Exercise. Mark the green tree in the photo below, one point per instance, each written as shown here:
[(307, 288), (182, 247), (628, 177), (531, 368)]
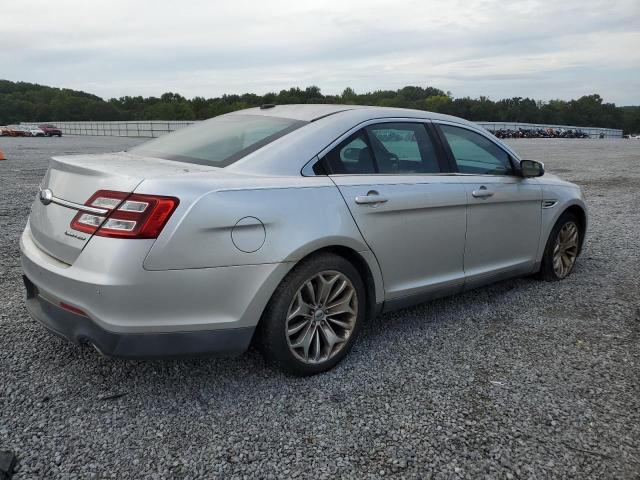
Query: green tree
[(437, 103), (23, 102)]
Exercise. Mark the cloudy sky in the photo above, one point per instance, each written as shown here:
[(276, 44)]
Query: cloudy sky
[(498, 48)]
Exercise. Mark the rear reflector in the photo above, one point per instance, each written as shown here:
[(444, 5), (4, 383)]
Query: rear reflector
[(72, 309), (129, 215)]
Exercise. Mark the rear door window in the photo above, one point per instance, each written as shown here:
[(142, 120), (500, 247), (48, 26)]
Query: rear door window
[(403, 148), (383, 148), (352, 156)]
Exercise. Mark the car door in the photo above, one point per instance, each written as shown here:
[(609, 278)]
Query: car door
[(504, 212), (412, 217)]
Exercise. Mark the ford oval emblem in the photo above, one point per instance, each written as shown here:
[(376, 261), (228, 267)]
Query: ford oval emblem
[(46, 196)]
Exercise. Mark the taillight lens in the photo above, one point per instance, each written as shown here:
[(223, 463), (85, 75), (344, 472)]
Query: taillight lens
[(129, 215)]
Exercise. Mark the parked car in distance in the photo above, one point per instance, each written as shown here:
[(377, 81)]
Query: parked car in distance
[(15, 131), (31, 131), (288, 226), (50, 130)]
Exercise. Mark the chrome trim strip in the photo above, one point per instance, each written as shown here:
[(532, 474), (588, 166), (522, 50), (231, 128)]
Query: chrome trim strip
[(441, 174), (80, 207), (77, 206)]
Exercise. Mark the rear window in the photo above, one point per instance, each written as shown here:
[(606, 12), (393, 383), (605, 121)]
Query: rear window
[(219, 141)]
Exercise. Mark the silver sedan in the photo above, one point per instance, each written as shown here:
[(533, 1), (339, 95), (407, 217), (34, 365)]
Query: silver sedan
[(288, 226)]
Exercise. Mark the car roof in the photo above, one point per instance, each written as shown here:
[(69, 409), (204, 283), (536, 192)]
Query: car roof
[(307, 112), (310, 112), (326, 123)]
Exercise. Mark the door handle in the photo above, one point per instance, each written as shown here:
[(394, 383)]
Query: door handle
[(482, 192), (371, 198)]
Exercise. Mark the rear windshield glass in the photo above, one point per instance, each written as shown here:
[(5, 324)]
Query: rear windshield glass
[(219, 141)]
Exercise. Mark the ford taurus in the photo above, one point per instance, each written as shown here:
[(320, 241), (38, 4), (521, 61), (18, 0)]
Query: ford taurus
[(289, 226)]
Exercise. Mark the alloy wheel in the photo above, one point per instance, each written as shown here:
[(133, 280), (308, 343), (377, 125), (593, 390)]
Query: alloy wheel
[(321, 317), (565, 250)]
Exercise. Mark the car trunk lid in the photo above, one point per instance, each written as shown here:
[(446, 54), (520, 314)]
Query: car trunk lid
[(72, 180)]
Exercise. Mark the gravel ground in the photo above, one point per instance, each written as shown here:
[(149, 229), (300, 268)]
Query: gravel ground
[(518, 380)]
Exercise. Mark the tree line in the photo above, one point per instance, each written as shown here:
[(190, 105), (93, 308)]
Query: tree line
[(27, 102)]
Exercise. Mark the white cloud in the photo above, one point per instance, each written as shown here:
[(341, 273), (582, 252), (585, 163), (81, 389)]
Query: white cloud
[(477, 47)]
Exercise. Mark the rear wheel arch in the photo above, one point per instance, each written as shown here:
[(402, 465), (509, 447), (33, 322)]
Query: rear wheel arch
[(359, 263), (363, 269)]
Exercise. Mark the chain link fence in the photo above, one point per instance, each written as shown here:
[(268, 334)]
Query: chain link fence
[(156, 128), (143, 128)]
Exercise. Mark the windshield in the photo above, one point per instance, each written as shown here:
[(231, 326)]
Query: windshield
[(219, 141)]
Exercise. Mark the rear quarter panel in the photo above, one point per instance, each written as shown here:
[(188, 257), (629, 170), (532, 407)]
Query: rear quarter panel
[(296, 221)]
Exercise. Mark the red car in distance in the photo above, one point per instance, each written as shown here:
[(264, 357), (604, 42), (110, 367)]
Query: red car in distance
[(12, 131), (50, 130)]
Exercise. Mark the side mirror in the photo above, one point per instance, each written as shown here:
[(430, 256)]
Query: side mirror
[(531, 168)]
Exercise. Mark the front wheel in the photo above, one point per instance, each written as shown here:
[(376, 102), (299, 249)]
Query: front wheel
[(562, 249), (314, 316)]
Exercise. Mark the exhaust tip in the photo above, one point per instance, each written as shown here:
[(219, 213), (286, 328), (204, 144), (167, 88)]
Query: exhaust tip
[(97, 349)]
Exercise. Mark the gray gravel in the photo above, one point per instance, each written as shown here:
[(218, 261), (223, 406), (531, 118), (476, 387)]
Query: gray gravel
[(518, 380)]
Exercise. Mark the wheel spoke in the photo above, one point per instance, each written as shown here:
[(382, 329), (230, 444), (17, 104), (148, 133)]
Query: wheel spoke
[(311, 291), (330, 336), (572, 252), (325, 288), (316, 336), (337, 291), (295, 329), (340, 323), (569, 245), (299, 308), (560, 266), (305, 341), (567, 260), (341, 306)]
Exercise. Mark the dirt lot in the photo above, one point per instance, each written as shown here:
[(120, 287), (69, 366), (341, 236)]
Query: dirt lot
[(521, 379)]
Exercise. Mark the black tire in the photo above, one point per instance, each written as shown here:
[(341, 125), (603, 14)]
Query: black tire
[(547, 272), (271, 338)]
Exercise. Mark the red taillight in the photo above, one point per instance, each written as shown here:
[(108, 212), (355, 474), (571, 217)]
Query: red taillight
[(104, 199), (128, 215)]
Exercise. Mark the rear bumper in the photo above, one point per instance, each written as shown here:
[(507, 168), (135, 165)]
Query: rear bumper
[(134, 313), (82, 330)]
